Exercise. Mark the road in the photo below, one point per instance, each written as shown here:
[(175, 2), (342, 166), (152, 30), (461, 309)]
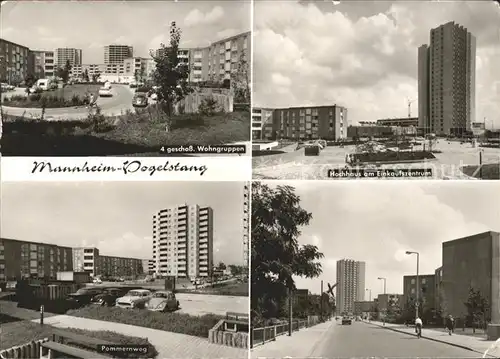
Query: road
[(295, 165), (365, 340), (120, 102)]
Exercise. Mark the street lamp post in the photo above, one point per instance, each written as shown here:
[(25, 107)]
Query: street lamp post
[(385, 310), (418, 284)]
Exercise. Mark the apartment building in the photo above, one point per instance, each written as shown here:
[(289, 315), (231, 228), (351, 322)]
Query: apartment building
[(224, 56), (388, 302), (85, 259), (44, 63), (261, 117), (426, 293), (350, 284), (115, 54), (310, 123), (63, 55), (183, 241), (16, 62), (472, 261), (361, 307), (23, 259), (399, 122), (124, 267), (447, 81), (141, 66), (91, 69), (246, 224)]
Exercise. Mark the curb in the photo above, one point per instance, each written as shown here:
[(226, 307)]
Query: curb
[(431, 339)]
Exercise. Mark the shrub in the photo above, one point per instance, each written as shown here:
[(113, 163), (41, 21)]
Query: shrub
[(172, 322), (75, 100), (208, 107), (35, 97), (187, 121)]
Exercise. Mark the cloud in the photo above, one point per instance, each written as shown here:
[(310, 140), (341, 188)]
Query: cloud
[(362, 55), (198, 18), (227, 33), (124, 245)]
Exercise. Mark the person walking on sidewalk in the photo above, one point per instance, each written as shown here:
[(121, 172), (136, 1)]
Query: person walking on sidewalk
[(418, 327), (450, 324)]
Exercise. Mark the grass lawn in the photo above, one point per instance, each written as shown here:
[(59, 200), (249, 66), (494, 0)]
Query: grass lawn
[(18, 332), (490, 171), (171, 322), (71, 90), (140, 133)]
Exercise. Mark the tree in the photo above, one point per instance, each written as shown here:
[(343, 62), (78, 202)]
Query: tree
[(64, 72), (95, 76), (221, 266), (477, 308), (240, 81), (171, 75), (29, 80), (86, 77), (276, 253)]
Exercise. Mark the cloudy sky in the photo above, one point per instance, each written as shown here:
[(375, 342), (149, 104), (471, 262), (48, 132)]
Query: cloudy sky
[(116, 217), (363, 54), (90, 25), (378, 221)]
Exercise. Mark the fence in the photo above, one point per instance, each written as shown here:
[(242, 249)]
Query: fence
[(260, 336), (192, 102), (26, 351)]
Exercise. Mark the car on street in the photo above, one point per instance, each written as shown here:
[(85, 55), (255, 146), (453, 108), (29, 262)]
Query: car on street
[(105, 92), (140, 99), (346, 320), (109, 296), (83, 296), (163, 301), (97, 281), (135, 298)]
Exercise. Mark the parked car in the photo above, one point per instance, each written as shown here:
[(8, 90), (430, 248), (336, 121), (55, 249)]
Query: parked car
[(163, 301), (136, 298), (109, 296), (97, 281), (83, 296), (107, 85), (346, 320), (140, 99), (105, 92)]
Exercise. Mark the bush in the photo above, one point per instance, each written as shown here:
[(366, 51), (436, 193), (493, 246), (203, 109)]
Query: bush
[(187, 121), (171, 322), (75, 100), (208, 107), (35, 97)]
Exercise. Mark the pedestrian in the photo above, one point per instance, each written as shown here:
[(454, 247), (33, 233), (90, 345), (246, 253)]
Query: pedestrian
[(450, 324), (418, 326)]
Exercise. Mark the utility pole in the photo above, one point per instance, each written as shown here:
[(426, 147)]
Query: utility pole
[(290, 314), (321, 300)]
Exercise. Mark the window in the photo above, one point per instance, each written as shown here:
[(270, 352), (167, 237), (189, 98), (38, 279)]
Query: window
[(413, 291), (413, 281), (424, 281)]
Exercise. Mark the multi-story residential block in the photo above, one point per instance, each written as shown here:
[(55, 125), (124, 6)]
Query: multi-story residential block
[(390, 302), (309, 123), (85, 259), (261, 117), (350, 284), (361, 307), (44, 63), (63, 55), (16, 62), (115, 54), (140, 67), (426, 293), (183, 241), (246, 224), (198, 65), (22, 260), (447, 81), (113, 266), (471, 262), (224, 56)]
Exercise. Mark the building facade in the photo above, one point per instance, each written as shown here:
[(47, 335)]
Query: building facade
[(44, 64), (363, 306), (426, 297), (22, 260), (16, 62), (387, 303), (85, 259), (226, 55), (472, 261), (446, 81), (310, 123), (115, 54), (63, 55), (350, 284), (113, 266), (183, 241), (261, 117), (400, 122)]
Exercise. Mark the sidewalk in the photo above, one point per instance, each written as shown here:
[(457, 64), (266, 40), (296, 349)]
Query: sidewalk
[(168, 344), (476, 344), (300, 345)]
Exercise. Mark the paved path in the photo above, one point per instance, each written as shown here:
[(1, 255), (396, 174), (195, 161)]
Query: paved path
[(169, 345), (120, 102), (477, 344)]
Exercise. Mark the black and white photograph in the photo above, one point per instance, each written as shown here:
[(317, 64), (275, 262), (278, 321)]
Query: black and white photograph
[(333, 276), (125, 78), (376, 89), (147, 269)]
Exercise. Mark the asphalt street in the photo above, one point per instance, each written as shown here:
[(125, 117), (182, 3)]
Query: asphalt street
[(365, 340)]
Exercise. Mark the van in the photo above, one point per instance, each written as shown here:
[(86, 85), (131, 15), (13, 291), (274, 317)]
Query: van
[(43, 84)]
